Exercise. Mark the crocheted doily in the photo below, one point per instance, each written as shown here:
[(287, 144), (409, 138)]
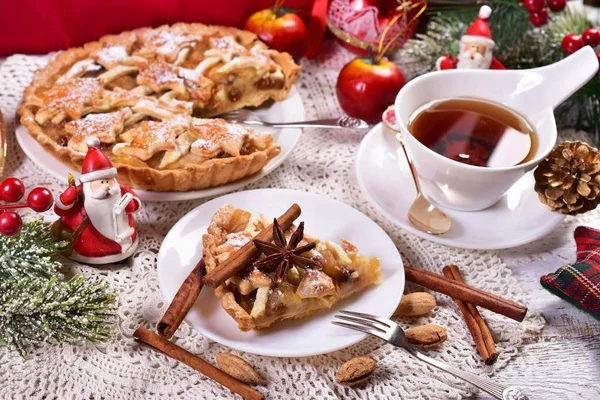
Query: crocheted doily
[(322, 163)]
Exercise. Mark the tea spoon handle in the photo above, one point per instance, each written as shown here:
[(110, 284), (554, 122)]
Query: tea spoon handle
[(413, 172)]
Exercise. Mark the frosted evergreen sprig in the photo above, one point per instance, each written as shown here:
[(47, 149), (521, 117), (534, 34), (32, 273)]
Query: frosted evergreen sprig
[(35, 311), (36, 305), (31, 252)]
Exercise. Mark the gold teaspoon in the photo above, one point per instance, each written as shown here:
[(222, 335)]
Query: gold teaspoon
[(422, 213)]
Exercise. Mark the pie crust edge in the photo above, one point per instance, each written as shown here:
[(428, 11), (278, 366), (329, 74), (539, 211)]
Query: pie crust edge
[(211, 173)]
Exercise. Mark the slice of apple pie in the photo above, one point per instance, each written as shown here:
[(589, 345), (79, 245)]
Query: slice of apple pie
[(297, 275)]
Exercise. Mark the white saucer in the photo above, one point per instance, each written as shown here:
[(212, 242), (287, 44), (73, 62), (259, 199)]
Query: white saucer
[(385, 180), (289, 110), (324, 218)]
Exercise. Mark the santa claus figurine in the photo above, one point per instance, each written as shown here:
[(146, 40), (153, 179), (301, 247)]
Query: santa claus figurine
[(96, 215), (475, 51)]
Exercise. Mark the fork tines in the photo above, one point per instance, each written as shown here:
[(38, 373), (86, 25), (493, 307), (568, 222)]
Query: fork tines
[(366, 323)]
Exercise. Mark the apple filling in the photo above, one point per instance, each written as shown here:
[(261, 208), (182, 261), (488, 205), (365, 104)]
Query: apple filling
[(262, 294)]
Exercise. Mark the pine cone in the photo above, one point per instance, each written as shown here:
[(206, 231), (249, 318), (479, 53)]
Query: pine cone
[(568, 180)]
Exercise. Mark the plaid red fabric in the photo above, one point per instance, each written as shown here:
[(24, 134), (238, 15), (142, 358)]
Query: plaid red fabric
[(580, 282)]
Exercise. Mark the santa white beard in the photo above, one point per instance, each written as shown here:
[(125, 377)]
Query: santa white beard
[(467, 60), (100, 209)]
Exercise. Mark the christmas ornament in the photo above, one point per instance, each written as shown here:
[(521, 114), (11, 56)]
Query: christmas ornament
[(37, 305), (10, 223), (367, 86), (518, 45), (557, 5), (476, 47), (568, 180), (571, 43), (360, 24), (13, 190), (539, 18), (533, 5), (538, 14), (591, 37), (96, 216), (40, 199), (280, 29)]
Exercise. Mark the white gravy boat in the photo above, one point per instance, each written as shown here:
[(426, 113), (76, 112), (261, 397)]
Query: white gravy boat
[(534, 93)]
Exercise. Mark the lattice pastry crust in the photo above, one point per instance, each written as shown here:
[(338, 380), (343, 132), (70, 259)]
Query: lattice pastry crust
[(147, 94)]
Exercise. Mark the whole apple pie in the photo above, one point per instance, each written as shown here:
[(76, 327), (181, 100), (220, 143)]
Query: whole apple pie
[(297, 275), (148, 96)]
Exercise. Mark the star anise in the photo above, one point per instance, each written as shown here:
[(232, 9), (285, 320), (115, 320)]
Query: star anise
[(280, 255)]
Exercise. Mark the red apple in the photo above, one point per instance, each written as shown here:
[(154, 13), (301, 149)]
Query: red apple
[(365, 88), (280, 30)]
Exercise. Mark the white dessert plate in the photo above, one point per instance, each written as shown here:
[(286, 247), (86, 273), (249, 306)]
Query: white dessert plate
[(385, 180), (324, 218), (289, 110)]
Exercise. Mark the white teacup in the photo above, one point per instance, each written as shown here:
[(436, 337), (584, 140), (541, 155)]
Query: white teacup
[(533, 93)]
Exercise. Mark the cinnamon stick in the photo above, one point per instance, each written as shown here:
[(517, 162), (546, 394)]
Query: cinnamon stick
[(462, 291), (238, 260), (486, 334), (479, 330), (162, 345), (183, 301)]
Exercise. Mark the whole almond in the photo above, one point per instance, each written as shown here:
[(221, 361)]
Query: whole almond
[(239, 368), (356, 371), (427, 336), (415, 304)]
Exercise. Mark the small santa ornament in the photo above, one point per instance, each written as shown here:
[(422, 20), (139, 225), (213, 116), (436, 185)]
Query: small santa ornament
[(475, 51), (96, 216)]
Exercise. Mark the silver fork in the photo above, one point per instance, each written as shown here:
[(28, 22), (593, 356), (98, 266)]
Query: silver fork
[(392, 333), (250, 118)]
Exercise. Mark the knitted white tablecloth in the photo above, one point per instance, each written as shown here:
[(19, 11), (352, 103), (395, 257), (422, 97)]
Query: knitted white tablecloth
[(322, 163)]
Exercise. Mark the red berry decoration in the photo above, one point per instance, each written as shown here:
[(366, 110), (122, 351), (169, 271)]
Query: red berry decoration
[(40, 199), (533, 5), (11, 190), (539, 18), (571, 43), (10, 223), (591, 37), (557, 5), (598, 57)]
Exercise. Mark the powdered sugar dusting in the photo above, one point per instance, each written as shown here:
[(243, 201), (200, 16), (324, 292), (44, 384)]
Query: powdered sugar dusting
[(103, 126), (238, 239), (110, 56)]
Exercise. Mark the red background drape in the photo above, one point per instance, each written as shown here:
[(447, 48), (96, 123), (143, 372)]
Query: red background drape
[(40, 26)]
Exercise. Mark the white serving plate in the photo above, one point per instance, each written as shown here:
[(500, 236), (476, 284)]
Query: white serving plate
[(324, 218)]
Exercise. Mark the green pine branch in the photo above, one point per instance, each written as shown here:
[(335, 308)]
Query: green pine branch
[(36, 305), (36, 311), (30, 253)]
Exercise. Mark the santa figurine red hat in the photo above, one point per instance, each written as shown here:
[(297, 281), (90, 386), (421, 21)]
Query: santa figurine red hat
[(476, 47), (95, 164), (479, 31), (96, 216)]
